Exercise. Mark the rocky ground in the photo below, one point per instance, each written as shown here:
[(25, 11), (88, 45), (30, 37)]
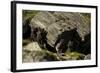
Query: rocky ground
[(54, 23)]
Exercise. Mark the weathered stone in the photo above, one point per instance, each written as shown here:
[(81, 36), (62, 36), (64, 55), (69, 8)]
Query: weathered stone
[(57, 22), (33, 53), (87, 57), (42, 19), (54, 23), (32, 47)]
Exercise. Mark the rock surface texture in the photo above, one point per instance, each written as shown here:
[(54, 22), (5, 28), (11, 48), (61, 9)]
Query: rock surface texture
[(57, 22), (44, 29)]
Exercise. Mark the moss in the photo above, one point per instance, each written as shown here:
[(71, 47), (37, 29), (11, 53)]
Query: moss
[(75, 55), (28, 15)]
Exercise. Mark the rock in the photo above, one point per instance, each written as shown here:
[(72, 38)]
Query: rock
[(42, 19), (54, 23), (38, 56), (33, 46), (27, 58), (57, 22), (33, 53), (28, 51), (87, 57)]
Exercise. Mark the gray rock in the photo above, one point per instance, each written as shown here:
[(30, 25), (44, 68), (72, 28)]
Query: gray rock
[(33, 53), (42, 19), (87, 57), (33, 46), (57, 22)]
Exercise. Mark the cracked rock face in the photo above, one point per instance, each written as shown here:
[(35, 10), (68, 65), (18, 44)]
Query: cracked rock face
[(33, 53), (57, 22), (54, 23)]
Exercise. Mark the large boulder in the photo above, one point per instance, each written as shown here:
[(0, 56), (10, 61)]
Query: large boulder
[(57, 22), (32, 52), (42, 19)]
